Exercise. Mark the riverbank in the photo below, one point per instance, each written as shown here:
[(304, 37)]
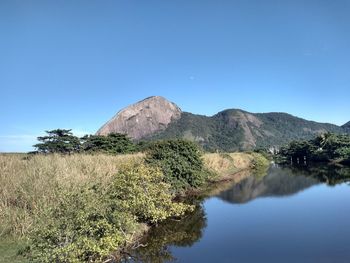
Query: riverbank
[(256, 214), (30, 185), (225, 165), (227, 168)]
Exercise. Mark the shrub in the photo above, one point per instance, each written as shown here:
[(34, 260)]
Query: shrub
[(180, 161), (81, 228), (141, 190), (90, 223), (259, 161)]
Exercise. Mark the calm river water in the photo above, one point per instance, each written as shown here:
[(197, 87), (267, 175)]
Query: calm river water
[(288, 215)]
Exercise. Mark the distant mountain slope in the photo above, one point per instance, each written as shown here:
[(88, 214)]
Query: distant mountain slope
[(229, 130), (280, 128), (232, 130), (346, 126)]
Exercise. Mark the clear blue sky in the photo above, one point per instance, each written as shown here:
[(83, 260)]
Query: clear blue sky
[(74, 64)]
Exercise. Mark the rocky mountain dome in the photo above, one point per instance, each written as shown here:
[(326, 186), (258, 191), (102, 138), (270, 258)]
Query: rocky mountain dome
[(143, 118)]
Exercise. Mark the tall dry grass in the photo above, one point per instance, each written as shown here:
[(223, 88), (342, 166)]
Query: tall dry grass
[(227, 163), (242, 160), (29, 184)]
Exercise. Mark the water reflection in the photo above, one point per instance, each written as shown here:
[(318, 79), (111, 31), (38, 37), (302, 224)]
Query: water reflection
[(278, 182), (183, 233), (329, 174)]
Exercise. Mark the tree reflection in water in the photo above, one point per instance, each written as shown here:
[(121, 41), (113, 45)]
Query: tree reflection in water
[(184, 232), (329, 174), (283, 181)]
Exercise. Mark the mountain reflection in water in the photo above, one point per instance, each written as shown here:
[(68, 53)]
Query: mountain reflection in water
[(193, 240), (277, 182)]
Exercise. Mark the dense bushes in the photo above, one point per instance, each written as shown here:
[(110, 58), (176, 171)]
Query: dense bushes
[(88, 224), (180, 161), (80, 228)]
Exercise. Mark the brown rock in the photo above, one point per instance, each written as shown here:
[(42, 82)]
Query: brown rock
[(143, 118)]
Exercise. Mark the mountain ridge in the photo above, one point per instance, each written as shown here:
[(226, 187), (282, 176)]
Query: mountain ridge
[(227, 130), (346, 126)]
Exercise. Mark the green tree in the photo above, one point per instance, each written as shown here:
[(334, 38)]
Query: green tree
[(325, 147), (343, 152), (180, 161), (112, 143), (298, 149), (58, 141)]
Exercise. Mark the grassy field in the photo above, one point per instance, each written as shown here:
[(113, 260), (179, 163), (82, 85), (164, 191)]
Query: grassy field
[(31, 184)]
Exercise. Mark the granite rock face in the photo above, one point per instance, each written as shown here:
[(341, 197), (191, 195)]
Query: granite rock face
[(143, 118)]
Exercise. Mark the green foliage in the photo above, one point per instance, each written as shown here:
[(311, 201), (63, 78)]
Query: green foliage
[(343, 152), (325, 147), (111, 144), (180, 161), (87, 225), (227, 130), (267, 153), (9, 250), (143, 146), (211, 133), (333, 145), (259, 161), (141, 190), (63, 141), (58, 141), (298, 149), (80, 228), (282, 128)]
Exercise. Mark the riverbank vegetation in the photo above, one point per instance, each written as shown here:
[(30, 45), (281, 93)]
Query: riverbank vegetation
[(81, 207), (328, 147), (224, 165)]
